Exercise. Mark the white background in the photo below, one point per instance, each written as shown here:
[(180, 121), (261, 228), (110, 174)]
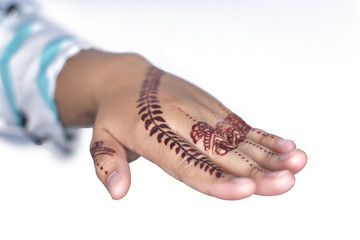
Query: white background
[(289, 67)]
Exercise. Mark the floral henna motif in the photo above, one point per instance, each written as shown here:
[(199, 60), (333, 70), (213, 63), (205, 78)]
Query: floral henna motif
[(150, 112), (238, 123), (220, 140), (224, 137), (230, 133), (211, 138)]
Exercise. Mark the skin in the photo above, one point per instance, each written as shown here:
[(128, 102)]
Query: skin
[(137, 110)]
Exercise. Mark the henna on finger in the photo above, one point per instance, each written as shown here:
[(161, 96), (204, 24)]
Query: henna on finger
[(151, 114), (241, 125), (211, 138), (234, 120), (228, 130), (221, 140), (238, 123), (230, 133), (98, 149), (262, 133)]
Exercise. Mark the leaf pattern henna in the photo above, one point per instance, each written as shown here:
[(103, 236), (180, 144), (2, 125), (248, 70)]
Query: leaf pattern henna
[(151, 114)]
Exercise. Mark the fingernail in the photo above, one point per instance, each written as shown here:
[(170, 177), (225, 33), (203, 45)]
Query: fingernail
[(112, 180), (282, 142)]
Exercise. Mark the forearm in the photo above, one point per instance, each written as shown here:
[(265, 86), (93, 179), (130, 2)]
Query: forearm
[(91, 77)]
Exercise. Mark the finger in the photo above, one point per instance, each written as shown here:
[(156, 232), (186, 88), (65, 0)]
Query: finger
[(273, 142), (110, 160), (240, 164), (232, 119), (269, 151), (224, 186), (266, 158), (225, 154), (178, 158)]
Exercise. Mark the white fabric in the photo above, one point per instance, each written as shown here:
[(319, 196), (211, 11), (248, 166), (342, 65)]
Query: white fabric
[(42, 123)]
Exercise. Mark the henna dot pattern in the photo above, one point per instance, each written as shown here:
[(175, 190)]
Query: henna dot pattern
[(264, 134), (261, 148), (223, 138), (247, 161), (98, 149), (150, 112), (212, 112)]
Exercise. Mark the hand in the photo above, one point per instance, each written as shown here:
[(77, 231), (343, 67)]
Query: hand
[(143, 111)]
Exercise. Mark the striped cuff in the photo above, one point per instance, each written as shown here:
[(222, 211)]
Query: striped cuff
[(32, 55)]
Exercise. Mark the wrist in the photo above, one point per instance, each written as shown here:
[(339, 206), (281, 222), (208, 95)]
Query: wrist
[(92, 78)]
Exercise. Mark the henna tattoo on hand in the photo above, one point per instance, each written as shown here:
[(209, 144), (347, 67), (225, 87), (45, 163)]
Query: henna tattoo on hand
[(223, 129), (239, 124), (211, 138), (151, 114), (98, 149), (220, 140), (233, 136)]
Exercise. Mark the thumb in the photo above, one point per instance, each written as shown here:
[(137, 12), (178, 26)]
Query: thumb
[(110, 160)]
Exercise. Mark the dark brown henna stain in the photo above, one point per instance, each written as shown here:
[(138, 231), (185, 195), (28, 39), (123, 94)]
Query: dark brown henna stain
[(98, 149), (241, 126), (261, 148), (220, 140), (233, 136), (238, 123), (235, 121), (150, 113), (211, 138), (260, 132), (230, 133)]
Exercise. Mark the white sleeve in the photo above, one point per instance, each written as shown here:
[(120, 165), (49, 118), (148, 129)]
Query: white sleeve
[(32, 54)]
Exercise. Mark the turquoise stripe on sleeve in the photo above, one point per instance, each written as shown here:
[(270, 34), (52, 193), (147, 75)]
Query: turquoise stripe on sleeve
[(47, 56), (22, 33)]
